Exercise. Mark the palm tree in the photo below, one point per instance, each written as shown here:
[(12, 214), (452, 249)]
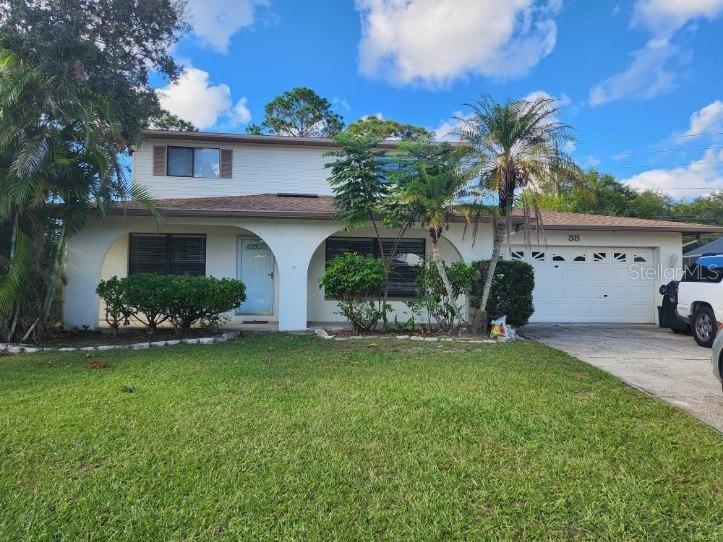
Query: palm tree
[(516, 145), (57, 159), (433, 182)]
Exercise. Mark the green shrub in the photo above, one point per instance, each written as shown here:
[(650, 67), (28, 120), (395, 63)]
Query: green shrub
[(118, 311), (432, 296), (153, 299), (201, 300), (149, 294), (511, 292), (353, 280)]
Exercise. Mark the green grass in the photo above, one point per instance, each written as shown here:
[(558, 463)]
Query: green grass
[(279, 436)]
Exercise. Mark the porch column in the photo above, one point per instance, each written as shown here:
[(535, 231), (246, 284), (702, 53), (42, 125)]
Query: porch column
[(86, 251), (293, 244)]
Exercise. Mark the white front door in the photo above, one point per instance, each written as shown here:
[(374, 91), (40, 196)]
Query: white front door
[(256, 270), (591, 284)]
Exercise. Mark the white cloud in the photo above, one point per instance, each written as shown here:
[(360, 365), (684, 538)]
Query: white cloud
[(650, 72), (437, 41), (240, 113), (342, 102), (624, 155), (664, 17), (445, 130), (563, 101), (215, 21), (648, 75), (569, 147), (707, 119), (193, 98), (592, 161), (698, 178)]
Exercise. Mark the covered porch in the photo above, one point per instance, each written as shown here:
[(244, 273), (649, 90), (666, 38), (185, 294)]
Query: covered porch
[(279, 259)]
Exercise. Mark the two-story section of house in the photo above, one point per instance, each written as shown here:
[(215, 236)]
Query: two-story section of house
[(260, 208)]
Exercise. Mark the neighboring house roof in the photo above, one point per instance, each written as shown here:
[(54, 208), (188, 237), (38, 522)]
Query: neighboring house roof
[(715, 247), (322, 207), (564, 221)]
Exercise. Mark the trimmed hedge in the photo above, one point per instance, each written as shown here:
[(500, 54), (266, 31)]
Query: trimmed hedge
[(511, 292), (152, 299)]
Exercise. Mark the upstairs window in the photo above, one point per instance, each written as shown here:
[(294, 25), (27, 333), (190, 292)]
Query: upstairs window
[(197, 162), (167, 254)]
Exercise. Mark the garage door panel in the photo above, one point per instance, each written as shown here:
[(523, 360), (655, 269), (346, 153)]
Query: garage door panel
[(603, 288)]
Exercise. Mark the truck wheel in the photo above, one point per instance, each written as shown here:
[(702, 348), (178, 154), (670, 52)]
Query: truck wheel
[(704, 327)]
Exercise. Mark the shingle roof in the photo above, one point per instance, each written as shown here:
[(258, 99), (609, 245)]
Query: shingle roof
[(258, 206), (321, 207), (556, 220), (715, 247)]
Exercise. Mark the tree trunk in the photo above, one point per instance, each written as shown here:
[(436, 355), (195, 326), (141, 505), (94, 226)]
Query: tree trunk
[(498, 237), (439, 264), (52, 284)]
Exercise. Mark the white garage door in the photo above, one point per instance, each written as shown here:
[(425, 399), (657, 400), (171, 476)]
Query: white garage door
[(591, 284)]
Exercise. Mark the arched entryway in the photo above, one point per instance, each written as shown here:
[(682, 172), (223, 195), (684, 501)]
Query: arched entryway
[(414, 248), (216, 250)]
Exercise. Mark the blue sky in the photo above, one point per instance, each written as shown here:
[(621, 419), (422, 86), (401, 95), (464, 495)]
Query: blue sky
[(640, 81)]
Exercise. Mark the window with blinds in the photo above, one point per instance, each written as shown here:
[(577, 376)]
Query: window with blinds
[(167, 254), (405, 270)]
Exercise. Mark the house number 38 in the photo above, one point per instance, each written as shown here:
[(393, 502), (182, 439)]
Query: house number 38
[(573, 237)]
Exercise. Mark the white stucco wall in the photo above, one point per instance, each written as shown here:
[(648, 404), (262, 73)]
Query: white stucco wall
[(101, 251), (257, 169)]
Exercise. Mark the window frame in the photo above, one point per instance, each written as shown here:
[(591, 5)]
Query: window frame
[(169, 255), (375, 252), (193, 161)]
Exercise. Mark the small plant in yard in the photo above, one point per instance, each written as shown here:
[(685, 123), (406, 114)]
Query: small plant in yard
[(354, 280), (118, 311), (433, 299)]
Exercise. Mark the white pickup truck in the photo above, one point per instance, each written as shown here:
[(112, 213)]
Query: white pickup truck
[(700, 299)]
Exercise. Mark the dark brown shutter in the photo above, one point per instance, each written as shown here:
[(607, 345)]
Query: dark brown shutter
[(159, 159), (226, 163)]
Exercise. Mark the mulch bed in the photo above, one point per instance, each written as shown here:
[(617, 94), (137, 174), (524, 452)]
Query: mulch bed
[(419, 332)]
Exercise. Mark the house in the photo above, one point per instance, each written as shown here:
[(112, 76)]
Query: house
[(259, 208), (715, 247)]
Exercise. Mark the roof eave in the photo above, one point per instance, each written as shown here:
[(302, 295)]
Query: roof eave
[(647, 229), (249, 139), (227, 213)]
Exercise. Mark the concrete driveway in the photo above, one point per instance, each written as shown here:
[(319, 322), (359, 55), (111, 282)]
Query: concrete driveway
[(655, 360)]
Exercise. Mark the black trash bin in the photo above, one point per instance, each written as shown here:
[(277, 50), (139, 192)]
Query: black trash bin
[(667, 313)]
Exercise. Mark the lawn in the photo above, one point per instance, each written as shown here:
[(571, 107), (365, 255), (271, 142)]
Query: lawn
[(281, 436)]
